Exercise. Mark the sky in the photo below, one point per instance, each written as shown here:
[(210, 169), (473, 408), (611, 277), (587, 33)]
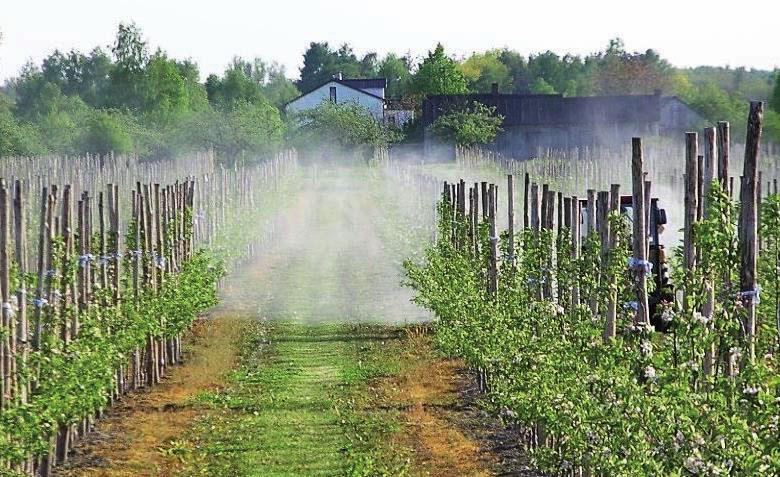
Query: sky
[(686, 32)]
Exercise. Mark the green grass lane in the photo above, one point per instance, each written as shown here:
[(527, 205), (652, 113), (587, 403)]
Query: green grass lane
[(296, 405)]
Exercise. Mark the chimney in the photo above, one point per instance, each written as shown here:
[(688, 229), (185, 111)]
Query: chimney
[(339, 76), (494, 89)]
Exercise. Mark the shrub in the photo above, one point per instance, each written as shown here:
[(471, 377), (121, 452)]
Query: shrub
[(472, 125)]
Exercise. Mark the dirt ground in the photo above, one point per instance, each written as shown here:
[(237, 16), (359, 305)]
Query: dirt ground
[(129, 439), (445, 428)]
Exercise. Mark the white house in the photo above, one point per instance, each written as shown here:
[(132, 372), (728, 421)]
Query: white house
[(368, 93)]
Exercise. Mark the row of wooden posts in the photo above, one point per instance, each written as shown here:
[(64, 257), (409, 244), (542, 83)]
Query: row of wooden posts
[(100, 252), (540, 204), (702, 170), (163, 235)]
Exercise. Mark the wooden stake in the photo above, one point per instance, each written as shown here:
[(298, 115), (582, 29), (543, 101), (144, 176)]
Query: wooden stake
[(639, 238), (724, 141), (748, 234), (691, 207)]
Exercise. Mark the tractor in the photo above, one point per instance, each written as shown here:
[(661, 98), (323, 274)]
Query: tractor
[(663, 291)]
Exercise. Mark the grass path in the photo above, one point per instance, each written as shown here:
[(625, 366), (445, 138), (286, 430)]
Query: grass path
[(293, 407), (314, 373)]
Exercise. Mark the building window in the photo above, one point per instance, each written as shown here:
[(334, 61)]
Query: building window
[(333, 93), (392, 120)]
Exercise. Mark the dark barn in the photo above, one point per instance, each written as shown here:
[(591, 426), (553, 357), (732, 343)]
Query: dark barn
[(535, 123)]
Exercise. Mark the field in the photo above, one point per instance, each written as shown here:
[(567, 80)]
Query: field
[(356, 317)]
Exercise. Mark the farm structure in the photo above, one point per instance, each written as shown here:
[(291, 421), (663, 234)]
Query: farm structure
[(367, 93), (538, 122)]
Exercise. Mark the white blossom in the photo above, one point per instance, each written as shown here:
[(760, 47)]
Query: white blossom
[(694, 464), (667, 316), (699, 318), (650, 373), (679, 440), (750, 390), (646, 348)]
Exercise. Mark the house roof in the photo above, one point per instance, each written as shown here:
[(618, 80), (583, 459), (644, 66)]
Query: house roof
[(348, 83), (362, 83)]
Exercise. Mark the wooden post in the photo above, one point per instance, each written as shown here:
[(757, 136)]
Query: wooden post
[(20, 255), (461, 213), (639, 238), (748, 233), (475, 219), (493, 270), (484, 187), (575, 248), (510, 207), (548, 280), (69, 292), (8, 324), (591, 213), (526, 222), (724, 141), (709, 174), (610, 328), (534, 203), (711, 153), (471, 228), (545, 204), (40, 299), (602, 206), (699, 187), (691, 208)]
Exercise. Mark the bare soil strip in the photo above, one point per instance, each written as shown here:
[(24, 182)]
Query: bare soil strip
[(445, 430), (129, 439)]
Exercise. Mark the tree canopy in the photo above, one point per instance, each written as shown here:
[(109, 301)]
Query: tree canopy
[(775, 101), (438, 74), (127, 98)]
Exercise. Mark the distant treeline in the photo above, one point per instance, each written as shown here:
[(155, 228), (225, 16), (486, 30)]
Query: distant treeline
[(131, 100)]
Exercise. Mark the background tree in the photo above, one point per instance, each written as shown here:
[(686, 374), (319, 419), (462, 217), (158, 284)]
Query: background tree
[(131, 56), (775, 101), (108, 132), (248, 128), (438, 74), (339, 129), (481, 70), (541, 86), (397, 71), (621, 72), (320, 63), (234, 87)]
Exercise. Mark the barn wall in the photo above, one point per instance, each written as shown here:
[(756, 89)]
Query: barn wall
[(534, 123), (343, 94), (676, 116), (524, 142)]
